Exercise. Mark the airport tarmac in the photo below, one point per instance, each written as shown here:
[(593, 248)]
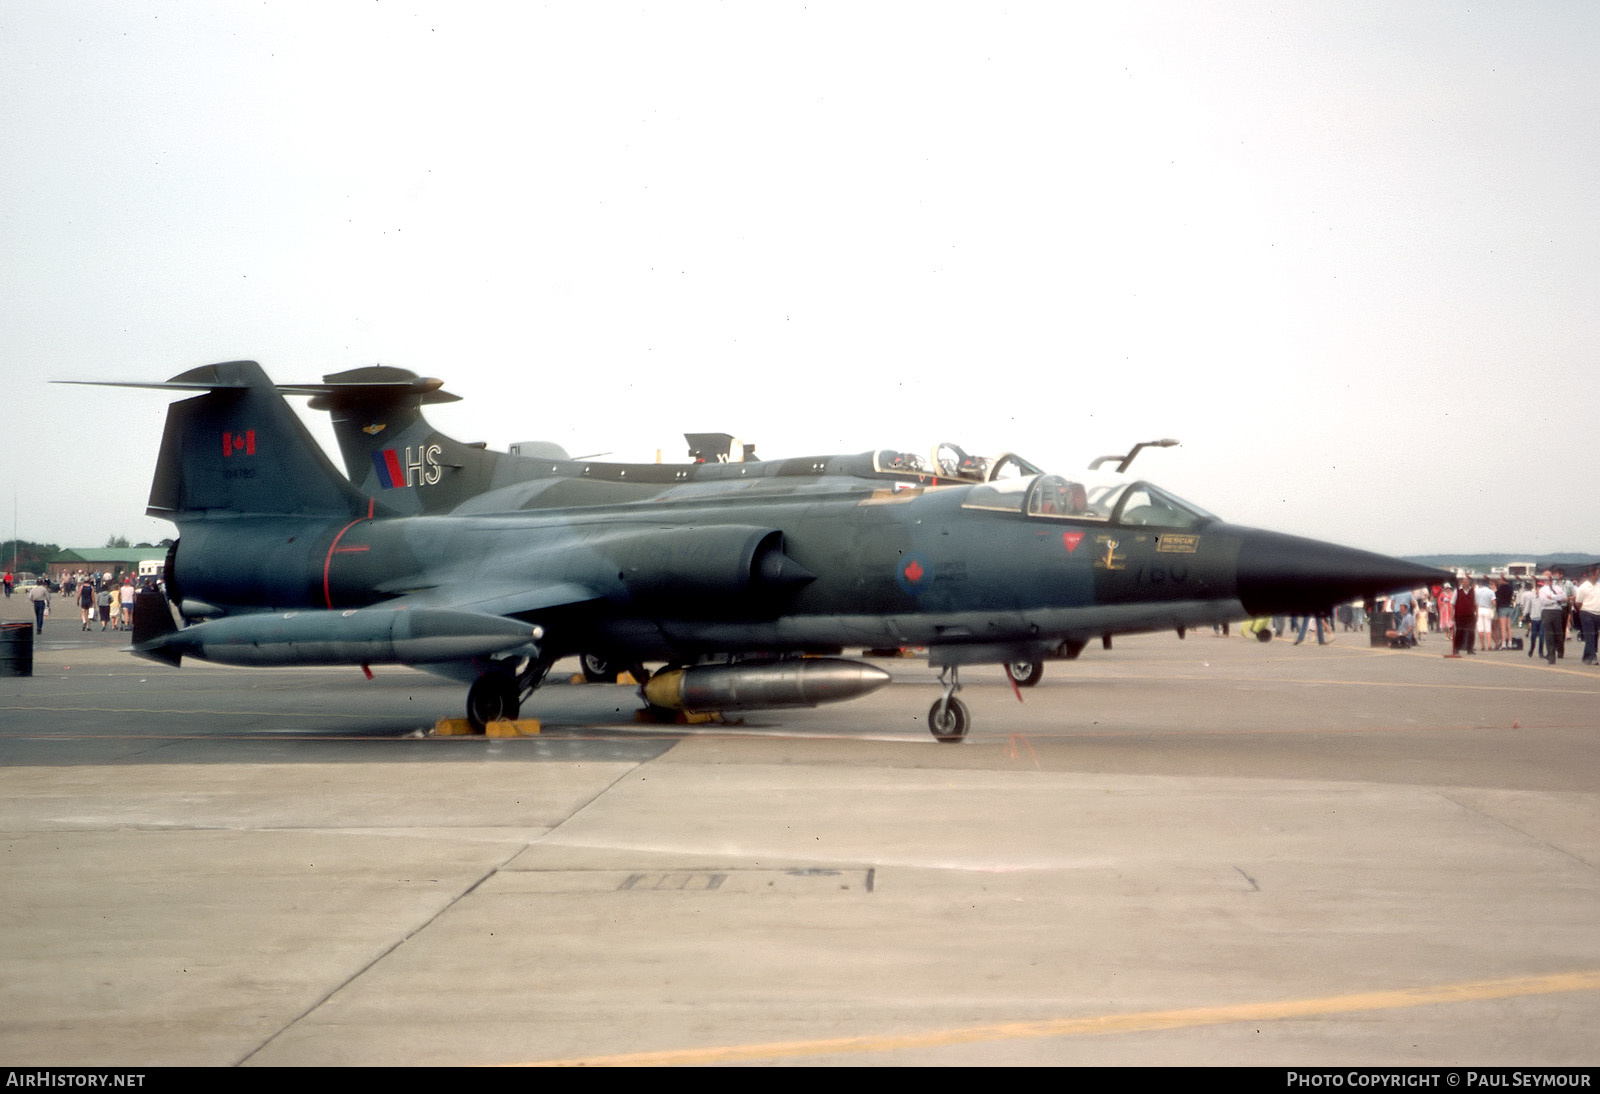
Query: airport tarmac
[(1197, 851)]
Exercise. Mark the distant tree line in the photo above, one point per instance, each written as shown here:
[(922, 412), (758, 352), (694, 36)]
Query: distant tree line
[(30, 557), (1483, 563)]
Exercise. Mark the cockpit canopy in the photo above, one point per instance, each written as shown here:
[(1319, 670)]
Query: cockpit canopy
[(951, 461), (894, 461), (1135, 503)]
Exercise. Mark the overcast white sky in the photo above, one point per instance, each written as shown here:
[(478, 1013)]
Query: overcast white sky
[(1346, 252)]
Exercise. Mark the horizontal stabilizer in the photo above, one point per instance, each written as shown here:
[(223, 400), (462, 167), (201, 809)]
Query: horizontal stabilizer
[(377, 384), (156, 385), (373, 386)]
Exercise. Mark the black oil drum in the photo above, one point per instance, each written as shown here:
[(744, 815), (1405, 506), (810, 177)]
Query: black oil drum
[(16, 649)]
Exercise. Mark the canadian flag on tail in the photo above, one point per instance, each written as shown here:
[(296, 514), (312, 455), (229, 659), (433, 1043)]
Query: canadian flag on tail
[(238, 442)]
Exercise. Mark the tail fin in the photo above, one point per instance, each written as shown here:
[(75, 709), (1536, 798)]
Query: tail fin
[(391, 451), (239, 448)]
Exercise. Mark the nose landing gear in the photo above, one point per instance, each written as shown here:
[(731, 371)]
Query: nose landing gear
[(948, 718)]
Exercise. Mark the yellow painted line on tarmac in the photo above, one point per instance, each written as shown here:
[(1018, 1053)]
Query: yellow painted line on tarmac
[(1507, 659), (1512, 659), (1473, 991), (1539, 664), (1449, 685)]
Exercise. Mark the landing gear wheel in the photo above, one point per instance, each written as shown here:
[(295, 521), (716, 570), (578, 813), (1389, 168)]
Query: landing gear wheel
[(1024, 674), (597, 669), (490, 699), (947, 720)]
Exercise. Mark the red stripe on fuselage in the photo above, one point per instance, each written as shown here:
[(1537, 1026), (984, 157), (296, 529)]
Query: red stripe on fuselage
[(327, 563)]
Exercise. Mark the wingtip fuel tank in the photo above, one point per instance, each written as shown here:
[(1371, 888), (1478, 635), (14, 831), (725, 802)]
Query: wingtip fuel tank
[(375, 636)]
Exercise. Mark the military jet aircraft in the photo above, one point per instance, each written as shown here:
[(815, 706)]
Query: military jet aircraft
[(748, 595)]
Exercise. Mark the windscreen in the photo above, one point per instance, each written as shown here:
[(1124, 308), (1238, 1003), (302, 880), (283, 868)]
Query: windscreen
[(1060, 498)]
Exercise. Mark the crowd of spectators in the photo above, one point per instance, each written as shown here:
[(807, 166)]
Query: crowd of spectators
[(1479, 614), (1496, 613), (105, 598), (1485, 614)]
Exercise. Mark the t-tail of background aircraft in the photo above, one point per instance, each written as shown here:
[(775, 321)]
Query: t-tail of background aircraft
[(390, 450), (394, 453)]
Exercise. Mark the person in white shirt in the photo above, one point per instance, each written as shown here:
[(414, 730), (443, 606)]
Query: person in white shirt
[(1550, 604), (1485, 598), (1587, 603), (1564, 593), (127, 604), (40, 596)]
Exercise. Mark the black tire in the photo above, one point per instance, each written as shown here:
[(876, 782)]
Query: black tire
[(947, 721), (1264, 634), (597, 669), (490, 699), (1025, 674)]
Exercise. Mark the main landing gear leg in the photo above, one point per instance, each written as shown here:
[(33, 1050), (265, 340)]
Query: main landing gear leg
[(948, 718), (499, 693), (529, 679)]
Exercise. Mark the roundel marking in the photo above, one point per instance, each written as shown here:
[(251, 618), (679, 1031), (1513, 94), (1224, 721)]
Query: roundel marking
[(913, 575)]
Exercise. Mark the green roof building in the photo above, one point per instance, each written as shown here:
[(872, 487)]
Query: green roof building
[(115, 561)]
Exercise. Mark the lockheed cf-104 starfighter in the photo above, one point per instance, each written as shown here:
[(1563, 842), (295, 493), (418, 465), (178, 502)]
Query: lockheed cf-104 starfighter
[(748, 591)]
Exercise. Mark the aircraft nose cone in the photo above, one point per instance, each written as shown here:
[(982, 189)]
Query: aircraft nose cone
[(1280, 573)]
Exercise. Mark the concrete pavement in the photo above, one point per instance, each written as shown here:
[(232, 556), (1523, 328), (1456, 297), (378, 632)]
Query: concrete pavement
[(1176, 852)]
